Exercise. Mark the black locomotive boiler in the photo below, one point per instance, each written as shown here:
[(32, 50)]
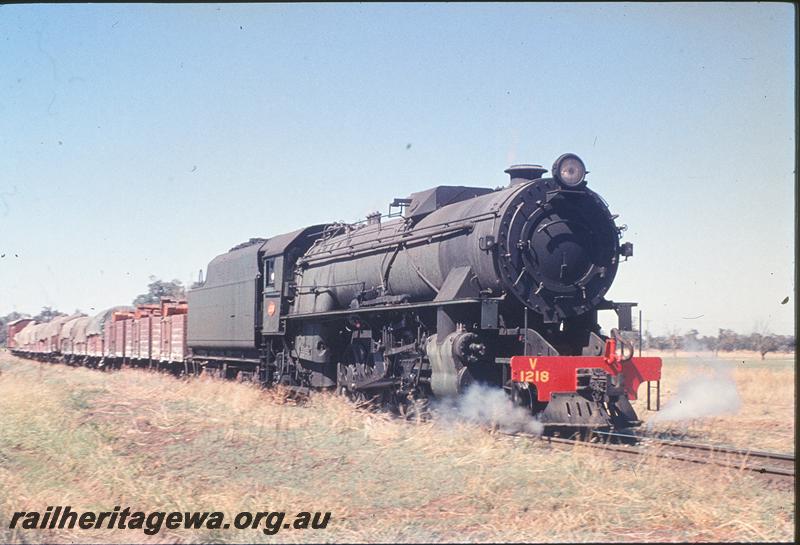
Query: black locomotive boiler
[(455, 285)]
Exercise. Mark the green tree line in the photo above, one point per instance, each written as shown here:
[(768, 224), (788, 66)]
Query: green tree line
[(760, 340)]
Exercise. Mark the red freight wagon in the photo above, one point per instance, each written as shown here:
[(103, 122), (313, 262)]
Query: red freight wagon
[(94, 346), (79, 337), (177, 347), (29, 334), (141, 348), (118, 329), (173, 330), (67, 334), (45, 334), (33, 339), (19, 336), (51, 332), (38, 338), (118, 348), (100, 333), (64, 337), (95, 336), (15, 327), (130, 338), (147, 317), (41, 337), (166, 337), (108, 338), (24, 338), (155, 337)]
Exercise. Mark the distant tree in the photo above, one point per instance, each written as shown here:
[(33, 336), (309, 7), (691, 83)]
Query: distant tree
[(674, 340), (648, 341), (767, 343), (762, 340), (659, 342), (690, 341), (8, 318), (47, 314), (727, 340), (711, 343), (634, 337), (4, 321), (157, 289)]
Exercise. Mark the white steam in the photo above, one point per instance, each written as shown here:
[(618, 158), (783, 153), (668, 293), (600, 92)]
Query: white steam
[(488, 406), (701, 396)]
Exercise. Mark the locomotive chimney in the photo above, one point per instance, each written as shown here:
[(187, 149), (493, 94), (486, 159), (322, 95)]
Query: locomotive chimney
[(374, 218), (524, 173)]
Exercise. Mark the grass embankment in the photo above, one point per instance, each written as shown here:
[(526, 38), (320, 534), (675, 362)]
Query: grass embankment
[(94, 440)]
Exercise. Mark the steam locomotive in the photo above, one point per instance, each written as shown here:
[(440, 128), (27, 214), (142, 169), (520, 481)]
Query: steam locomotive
[(456, 285)]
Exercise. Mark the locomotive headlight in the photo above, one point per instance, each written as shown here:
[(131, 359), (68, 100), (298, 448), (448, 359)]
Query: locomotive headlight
[(569, 170)]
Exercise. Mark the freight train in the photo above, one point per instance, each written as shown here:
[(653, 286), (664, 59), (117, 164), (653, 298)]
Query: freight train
[(455, 285)]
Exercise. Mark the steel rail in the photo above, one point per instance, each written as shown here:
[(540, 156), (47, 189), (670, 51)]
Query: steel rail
[(638, 451), (704, 447)]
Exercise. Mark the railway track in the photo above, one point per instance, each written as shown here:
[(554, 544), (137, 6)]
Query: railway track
[(769, 464)]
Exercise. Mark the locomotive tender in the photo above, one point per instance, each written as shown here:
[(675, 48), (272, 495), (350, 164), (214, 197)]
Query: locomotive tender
[(456, 285)]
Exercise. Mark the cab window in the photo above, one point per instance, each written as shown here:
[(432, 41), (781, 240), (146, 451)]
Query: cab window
[(269, 272)]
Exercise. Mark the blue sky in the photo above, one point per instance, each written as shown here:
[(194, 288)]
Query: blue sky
[(144, 140)]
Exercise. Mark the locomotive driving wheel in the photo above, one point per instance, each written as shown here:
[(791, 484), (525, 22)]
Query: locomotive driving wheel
[(357, 369)]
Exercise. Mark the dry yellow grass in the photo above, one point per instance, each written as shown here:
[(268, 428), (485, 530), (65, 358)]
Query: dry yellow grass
[(765, 419), (95, 440)]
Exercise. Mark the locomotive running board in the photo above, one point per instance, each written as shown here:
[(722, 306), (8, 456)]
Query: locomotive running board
[(383, 308)]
